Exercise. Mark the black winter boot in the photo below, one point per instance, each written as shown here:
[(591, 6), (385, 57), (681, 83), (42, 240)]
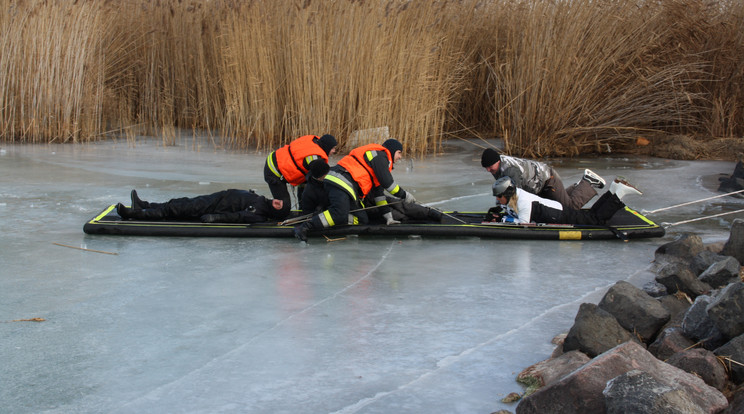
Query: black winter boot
[(124, 212), (137, 203)]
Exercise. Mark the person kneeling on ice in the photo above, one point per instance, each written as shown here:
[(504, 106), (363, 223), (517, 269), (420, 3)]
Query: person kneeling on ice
[(227, 206), (519, 206), (366, 170)]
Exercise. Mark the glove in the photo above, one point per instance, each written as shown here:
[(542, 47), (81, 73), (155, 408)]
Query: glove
[(410, 198), (389, 219), (210, 218), (301, 231), (495, 214)]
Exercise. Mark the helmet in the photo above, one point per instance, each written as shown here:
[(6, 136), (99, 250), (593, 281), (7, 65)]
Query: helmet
[(504, 186)]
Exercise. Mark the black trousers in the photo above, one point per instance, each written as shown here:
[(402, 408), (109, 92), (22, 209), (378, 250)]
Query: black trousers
[(602, 210)]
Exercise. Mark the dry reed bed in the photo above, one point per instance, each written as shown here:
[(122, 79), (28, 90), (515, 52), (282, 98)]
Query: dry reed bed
[(549, 77)]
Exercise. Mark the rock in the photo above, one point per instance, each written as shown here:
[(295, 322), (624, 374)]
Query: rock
[(735, 244), (733, 354), (581, 391), (698, 326), (558, 342), (678, 276), (638, 392), (736, 402), (703, 260), (683, 248), (511, 397), (635, 310), (726, 311), (702, 363), (721, 272), (594, 331), (676, 305), (551, 370), (669, 342), (655, 289)]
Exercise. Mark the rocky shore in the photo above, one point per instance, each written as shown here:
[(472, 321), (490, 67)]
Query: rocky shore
[(676, 345)]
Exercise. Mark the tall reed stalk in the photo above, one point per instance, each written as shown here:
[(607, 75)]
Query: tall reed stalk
[(548, 77)]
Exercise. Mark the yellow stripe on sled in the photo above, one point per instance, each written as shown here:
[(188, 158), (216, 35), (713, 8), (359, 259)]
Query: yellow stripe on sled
[(569, 235)]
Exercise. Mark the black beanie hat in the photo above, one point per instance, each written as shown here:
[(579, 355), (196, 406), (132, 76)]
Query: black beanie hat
[(318, 168), (393, 145), (327, 142), (490, 157)]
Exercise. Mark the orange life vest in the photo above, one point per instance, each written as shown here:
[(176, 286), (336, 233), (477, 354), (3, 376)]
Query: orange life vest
[(356, 164), (289, 158)]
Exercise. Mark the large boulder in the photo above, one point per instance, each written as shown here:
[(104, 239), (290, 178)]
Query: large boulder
[(683, 249), (678, 277), (638, 392), (735, 244), (551, 370), (703, 260), (702, 363), (582, 390), (669, 342), (594, 331), (732, 354), (635, 310), (698, 326), (721, 272), (676, 305), (726, 311)]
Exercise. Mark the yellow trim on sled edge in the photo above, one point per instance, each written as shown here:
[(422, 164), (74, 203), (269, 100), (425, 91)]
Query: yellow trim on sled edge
[(569, 235), (103, 213)]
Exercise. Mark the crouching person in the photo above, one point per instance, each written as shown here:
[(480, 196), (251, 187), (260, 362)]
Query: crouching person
[(365, 171)]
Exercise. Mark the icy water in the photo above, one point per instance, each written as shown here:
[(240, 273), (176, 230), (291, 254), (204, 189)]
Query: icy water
[(362, 325)]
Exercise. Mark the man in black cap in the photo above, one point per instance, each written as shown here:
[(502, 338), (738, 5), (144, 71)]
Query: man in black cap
[(228, 206), (541, 179), (365, 171), (291, 163)]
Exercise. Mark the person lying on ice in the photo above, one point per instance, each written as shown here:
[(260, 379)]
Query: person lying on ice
[(365, 171), (227, 206), (519, 206)]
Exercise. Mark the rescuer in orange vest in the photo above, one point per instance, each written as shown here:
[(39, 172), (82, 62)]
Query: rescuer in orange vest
[(291, 163), (366, 171)]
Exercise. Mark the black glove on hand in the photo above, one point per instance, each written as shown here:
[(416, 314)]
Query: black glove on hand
[(495, 214)]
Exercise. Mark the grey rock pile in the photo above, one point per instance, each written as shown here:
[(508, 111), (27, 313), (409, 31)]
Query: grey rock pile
[(674, 346)]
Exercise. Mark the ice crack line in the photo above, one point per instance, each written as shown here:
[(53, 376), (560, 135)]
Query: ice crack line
[(154, 393), (452, 359)]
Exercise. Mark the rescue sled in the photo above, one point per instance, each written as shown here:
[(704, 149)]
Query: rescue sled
[(625, 224)]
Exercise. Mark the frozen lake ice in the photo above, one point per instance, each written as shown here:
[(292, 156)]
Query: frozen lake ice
[(363, 325)]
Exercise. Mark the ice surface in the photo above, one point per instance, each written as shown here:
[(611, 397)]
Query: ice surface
[(363, 325)]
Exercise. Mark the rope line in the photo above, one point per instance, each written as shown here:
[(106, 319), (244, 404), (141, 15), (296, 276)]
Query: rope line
[(666, 225), (644, 212)]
